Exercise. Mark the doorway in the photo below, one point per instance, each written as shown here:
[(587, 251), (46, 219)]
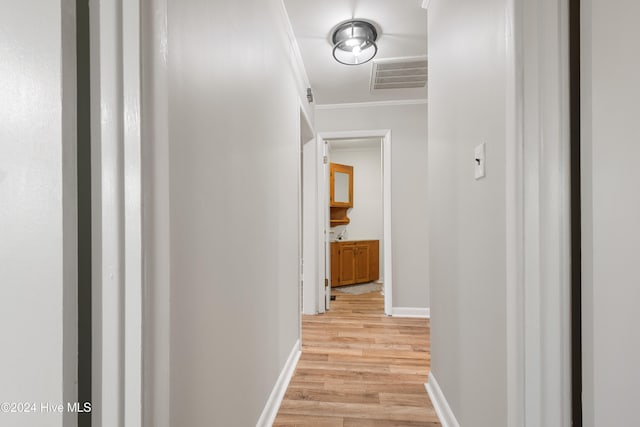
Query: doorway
[(383, 138), (356, 256)]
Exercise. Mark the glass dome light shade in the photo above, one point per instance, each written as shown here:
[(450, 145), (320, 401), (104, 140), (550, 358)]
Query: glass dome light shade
[(354, 42)]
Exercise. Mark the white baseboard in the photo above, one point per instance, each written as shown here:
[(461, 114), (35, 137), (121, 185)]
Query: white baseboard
[(447, 419), (275, 399), (423, 312)]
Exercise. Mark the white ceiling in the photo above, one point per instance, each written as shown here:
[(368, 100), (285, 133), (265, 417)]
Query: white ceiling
[(403, 33)]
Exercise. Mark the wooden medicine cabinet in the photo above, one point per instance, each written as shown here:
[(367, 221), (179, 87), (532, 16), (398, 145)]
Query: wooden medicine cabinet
[(340, 193)]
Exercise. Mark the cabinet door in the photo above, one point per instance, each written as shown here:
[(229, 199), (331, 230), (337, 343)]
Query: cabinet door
[(347, 265), (374, 260), (362, 263), (335, 264), (340, 186)]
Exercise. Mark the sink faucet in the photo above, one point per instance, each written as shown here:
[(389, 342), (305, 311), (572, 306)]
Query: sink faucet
[(341, 234)]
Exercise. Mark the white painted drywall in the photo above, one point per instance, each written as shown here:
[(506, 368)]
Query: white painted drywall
[(234, 160), (467, 95), (408, 124), (611, 212), (38, 260), (366, 214)]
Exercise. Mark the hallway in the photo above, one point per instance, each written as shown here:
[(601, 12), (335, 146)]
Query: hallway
[(360, 368)]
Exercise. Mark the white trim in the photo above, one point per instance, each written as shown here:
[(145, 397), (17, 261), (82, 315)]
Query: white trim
[(69, 146), (116, 214), (300, 220), (422, 312), (106, 196), (156, 348), (440, 404), (537, 215), (275, 398), (371, 104), (425, 4), (307, 285), (355, 134), (324, 268), (132, 192), (386, 214), (514, 203), (385, 134), (359, 149), (546, 226)]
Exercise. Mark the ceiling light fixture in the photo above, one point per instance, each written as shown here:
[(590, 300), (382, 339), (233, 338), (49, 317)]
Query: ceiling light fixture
[(354, 42)]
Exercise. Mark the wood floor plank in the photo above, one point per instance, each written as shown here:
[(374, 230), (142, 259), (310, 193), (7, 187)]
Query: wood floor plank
[(335, 395), (360, 368), (294, 420), (358, 410), (402, 399), (356, 422)]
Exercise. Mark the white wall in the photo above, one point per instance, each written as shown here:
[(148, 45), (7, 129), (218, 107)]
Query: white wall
[(408, 124), (38, 259), (467, 95), (233, 164), (366, 214), (611, 211)]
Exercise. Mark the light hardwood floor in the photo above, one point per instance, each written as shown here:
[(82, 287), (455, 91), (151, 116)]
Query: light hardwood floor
[(360, 368)]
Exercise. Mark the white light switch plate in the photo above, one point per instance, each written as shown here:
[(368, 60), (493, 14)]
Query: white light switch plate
[(479, 160)]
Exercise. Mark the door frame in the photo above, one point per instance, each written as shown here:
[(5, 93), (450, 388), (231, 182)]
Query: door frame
[(323, 211), (538, 228), (116, 205), (307, 227)]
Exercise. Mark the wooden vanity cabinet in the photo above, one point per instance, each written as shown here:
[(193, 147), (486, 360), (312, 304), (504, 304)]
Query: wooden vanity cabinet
[(354, 262)]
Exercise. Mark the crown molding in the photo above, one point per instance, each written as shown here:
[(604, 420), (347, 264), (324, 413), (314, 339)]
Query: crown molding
[(371, 104), (295, 49)]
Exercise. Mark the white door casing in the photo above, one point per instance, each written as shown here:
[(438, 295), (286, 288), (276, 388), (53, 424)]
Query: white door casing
[(538, 214), (116, 213), (385, 136)]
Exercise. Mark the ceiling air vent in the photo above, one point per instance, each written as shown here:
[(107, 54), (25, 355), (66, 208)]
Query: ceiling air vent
[(399, 73)]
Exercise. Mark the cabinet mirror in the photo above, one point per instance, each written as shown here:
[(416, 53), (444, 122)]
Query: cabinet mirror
[(341, 183)]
